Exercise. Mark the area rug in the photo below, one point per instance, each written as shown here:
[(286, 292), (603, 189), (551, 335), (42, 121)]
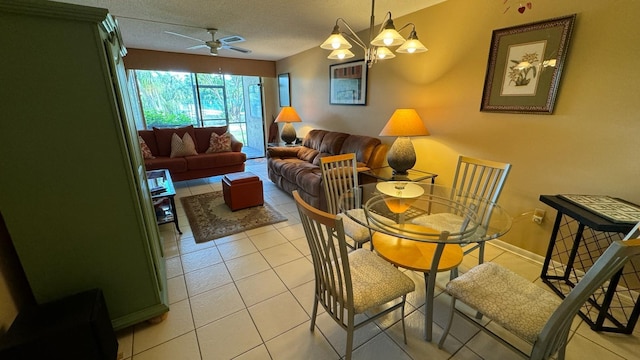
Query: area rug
[(210, 218)]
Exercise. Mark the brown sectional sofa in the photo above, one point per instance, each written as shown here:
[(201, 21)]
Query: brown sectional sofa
[(298, 167), (192, 167)]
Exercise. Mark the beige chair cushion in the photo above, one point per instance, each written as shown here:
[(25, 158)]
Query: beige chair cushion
[(447, 222), (353, 229), (375, 281), (510, 300)]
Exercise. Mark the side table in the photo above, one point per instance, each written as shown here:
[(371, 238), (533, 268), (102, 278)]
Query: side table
[(162, 196), (385, 173), (578, 238)]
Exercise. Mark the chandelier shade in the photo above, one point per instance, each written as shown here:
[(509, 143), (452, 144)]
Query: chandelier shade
[(376, 48)]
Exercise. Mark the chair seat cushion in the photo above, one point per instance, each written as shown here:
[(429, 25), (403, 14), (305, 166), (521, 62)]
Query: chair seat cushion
[(448, 222), (354, 230), (510, 300), (375, 281)]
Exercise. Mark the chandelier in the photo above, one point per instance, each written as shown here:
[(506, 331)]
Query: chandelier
[(377, 47)]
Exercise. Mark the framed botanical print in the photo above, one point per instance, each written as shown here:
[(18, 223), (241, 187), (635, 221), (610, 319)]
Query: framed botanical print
[(525, 65)]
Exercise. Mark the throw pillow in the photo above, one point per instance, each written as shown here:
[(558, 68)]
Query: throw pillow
[(146, 152), (182, 147), (219, 143)]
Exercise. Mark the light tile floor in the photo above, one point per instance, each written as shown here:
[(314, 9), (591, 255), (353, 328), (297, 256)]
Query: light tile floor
[(249, 296)]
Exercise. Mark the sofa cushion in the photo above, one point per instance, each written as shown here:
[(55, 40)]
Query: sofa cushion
[(150, 139), (307, 154), (182, 147), (203, 136), (207, 161), (174, 165), (332, 142), (163, 138), (309, 180), (362, 146), (219, 143), (313, 139), (146, 152)]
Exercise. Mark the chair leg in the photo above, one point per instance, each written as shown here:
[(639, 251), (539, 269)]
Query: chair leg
[(314, 313), (445, 333), (350, 330), (404, 331), (481, 253)]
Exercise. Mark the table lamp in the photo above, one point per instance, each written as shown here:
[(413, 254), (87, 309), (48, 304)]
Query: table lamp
[(288, 115), (403, 123)]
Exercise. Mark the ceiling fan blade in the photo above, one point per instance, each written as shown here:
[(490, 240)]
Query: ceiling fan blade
[(235, 48), (197, 47), (184, 36), (231, 39)]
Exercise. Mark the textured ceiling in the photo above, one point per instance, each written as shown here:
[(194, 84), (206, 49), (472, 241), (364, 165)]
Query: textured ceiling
[(273, 29)]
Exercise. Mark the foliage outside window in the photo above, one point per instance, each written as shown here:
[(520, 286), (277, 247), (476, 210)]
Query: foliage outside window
[(171, 99)]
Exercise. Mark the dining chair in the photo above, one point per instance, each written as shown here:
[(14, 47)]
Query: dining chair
[(480, 183), (349, 283), (339, 175), (526, 309)]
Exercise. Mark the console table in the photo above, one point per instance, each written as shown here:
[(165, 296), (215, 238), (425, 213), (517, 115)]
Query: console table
[(578, 238)]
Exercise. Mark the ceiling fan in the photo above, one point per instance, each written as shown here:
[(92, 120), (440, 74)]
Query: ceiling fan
[(216, 44)]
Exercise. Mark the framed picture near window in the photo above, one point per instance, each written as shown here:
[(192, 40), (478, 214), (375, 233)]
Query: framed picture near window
[(525, 65), (284, 90), (348, 83)]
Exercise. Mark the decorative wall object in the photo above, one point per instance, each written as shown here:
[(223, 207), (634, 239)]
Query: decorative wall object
[(525, 65), (348, 83), (284, 90)]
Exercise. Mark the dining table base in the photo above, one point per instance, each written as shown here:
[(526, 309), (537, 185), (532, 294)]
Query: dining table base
[(428, 258)]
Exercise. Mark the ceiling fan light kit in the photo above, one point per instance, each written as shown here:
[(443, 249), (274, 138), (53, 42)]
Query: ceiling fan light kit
[(377, 47)]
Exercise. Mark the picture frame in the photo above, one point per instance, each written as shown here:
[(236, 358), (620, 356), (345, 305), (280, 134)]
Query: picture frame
[(284, 90), (348, 83), (525, 65)]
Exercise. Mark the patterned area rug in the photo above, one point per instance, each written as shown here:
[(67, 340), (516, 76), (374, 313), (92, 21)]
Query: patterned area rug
[(210, 218)]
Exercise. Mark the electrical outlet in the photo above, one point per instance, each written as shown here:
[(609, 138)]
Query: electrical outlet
[(538, 216)]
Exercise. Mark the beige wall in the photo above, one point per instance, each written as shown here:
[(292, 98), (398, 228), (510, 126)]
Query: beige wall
[(587, 145)]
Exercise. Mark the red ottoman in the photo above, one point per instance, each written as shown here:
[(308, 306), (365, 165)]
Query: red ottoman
[(242, 190)]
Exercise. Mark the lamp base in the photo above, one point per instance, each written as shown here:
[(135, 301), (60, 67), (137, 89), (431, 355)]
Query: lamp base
[(288, 134), (401, 157)]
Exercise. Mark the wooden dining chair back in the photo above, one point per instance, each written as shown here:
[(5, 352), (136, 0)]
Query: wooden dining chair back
[(526, 309), (339, 175), (349, 283)]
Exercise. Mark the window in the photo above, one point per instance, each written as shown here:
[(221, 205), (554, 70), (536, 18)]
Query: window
[(171, 99)]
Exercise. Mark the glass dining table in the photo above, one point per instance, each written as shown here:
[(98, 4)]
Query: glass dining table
[(422, 226)]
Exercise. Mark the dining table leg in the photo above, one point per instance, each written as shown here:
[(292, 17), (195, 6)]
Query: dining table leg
[(430, 284)]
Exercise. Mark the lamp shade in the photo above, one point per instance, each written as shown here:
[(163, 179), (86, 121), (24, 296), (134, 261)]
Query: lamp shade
[(288, 115), (336, 41), (412, 45), (340, 54), (383, 53), (404, 122), (388, 37)]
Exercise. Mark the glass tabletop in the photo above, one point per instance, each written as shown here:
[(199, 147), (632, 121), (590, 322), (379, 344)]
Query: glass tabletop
[(425, 212)]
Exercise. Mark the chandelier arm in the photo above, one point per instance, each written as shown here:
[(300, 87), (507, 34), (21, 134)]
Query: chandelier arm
[(353, 36), (386, 19), (408, 24)]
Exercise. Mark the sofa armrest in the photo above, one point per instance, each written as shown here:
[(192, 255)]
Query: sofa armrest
[(236, 146), (378, 156), (282, 151)]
